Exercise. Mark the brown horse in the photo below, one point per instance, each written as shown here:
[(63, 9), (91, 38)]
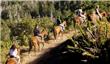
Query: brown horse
[(11, 61), (79, 20), (35, 41), (103, 13), (58, 29), (93, 17)]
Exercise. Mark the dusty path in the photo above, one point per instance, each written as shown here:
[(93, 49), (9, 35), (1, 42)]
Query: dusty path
[(26, 58)]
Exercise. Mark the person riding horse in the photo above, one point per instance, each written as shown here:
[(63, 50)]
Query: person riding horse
[(56, 21), (13, 53), (36, 40), (37, 31), (81, 14), (40, 35), (59, 29), (97, 12)]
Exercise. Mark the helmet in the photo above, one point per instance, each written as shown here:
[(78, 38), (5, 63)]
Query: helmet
[(80, 10), (13, 46), (37, 26)]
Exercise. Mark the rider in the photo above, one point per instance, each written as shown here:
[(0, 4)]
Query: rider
[(36, 31), (97, 11), (14, 53), (58, 21), (81, 14)]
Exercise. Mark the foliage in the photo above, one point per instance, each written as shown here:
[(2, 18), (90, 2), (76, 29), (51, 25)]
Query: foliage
[(18, 19)]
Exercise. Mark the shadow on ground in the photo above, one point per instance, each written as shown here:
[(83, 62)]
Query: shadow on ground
[(61, 55)]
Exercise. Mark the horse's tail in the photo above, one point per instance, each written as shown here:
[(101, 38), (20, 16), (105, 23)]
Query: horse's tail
[(30, 45)]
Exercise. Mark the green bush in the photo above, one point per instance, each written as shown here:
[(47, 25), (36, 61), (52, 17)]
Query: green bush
[(20, 18)]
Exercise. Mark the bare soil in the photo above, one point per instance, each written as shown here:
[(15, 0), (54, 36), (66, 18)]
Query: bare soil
[(26, 57)]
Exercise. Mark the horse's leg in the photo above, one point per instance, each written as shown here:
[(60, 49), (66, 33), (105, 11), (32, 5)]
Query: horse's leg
[(54, 34), (30, 45), (42, 38), (38, 44), (43, 45), (46, 39), (61, 32), (35, 49), (58, 34)]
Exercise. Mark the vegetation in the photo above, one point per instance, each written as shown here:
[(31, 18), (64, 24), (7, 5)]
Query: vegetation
[(18, 19)]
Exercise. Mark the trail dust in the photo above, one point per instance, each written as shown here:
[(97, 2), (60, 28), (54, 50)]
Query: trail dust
[(28, 57)]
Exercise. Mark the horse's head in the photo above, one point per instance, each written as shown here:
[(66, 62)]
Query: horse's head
[(92, 16), (103, 13), (44, 31)]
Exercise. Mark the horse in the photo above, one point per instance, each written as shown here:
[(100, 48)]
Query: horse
[(79, 20), (93, 17), (13, 60), (35, 41), (103, 13), (58, 29)]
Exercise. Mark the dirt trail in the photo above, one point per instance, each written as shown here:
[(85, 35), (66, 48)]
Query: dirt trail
[(26, 58)]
